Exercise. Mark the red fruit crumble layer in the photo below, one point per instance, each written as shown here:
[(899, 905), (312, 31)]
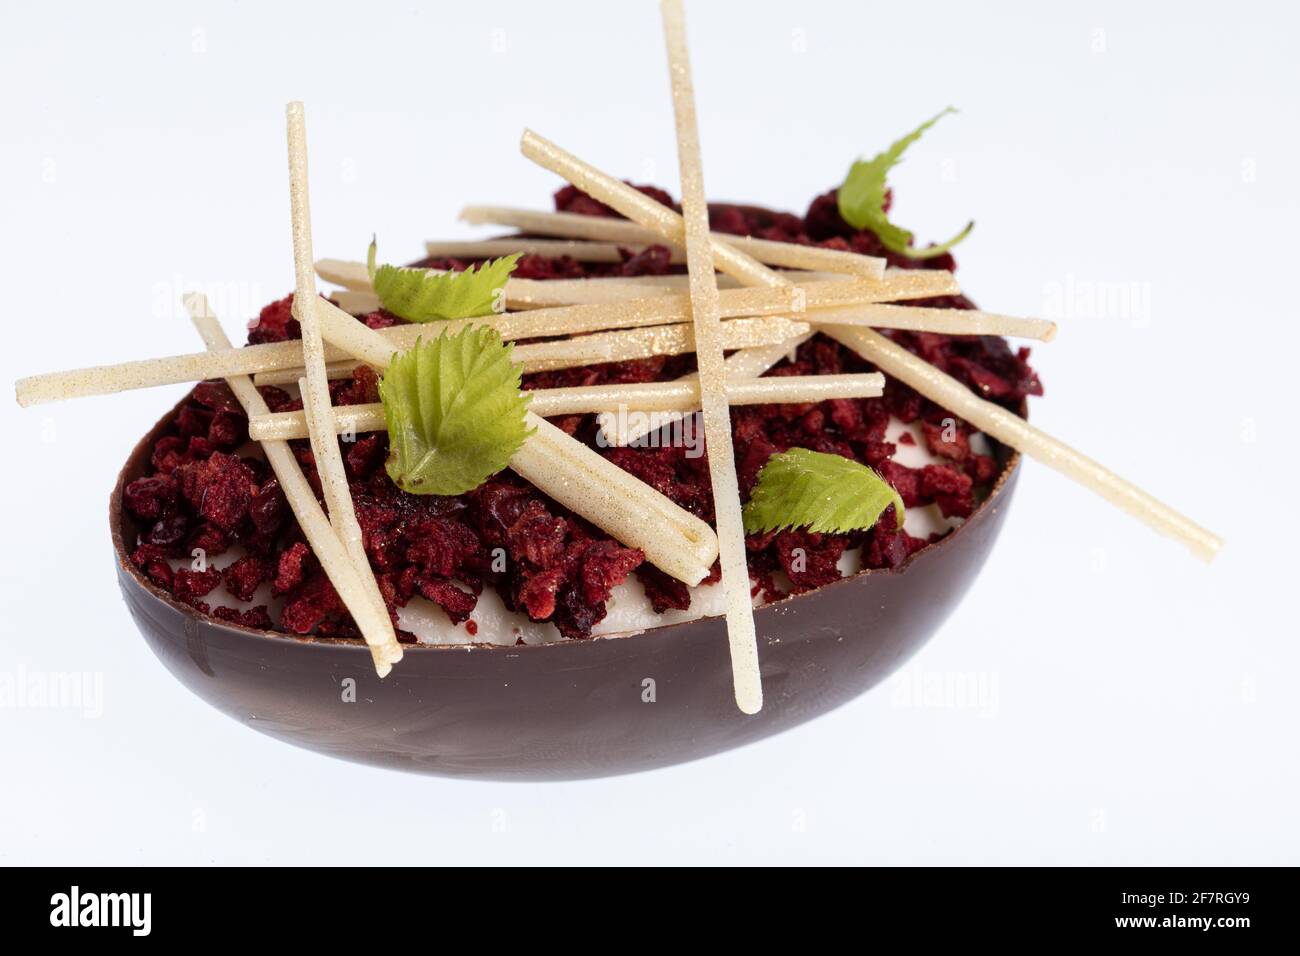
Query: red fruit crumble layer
[(201, 492)]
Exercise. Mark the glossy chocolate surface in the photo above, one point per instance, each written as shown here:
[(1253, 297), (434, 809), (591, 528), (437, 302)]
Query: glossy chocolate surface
[(567, 710)]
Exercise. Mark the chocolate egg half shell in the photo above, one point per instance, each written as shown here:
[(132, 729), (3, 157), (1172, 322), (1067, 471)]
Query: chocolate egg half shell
[(570, 709)]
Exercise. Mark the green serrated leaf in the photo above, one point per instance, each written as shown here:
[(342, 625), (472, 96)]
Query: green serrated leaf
[(861, 198), (454, 410), (824, 493), (421, 296)]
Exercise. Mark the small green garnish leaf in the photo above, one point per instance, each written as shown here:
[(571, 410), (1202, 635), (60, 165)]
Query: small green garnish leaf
[(824, 493), (420, 296), (862, 198), (454, 410)]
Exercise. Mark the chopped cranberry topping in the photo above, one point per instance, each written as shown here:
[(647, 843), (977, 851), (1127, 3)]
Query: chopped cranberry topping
[(456, 602), (188, 585), (152, 560), (946, 441), (311, 604), (220, 488), (289, 568), (663, 591), (151, 498), (253, 617), (268, 508), (242, 577), (810, 560), (209, 539)]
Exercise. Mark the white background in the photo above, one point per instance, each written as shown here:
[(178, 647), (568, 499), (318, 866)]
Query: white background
[(1140, 707)]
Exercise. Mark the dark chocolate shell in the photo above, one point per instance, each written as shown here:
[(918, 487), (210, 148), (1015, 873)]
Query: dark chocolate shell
[(567, 710)]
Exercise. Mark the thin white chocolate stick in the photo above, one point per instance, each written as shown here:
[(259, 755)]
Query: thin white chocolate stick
[(289, 376), (315, 386), (843, 302), (519, 293), (148, 373), (602, 228), (681, 395), (354, 275), (681, 280), (356, 303), (746, 676), (639, 516), (685, 394), (568, 225), (874, 347), (621, 346), (536, 295), (375, 625), (627, 344), (943, 321), (576, 249)]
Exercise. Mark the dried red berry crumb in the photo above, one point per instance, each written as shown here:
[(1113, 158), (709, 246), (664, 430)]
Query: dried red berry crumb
[(220, 488), (243, 577), (151, 498), (257, 617), (290, 568), (189, 586), (311, 606), (152, 560), (457, 602)]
